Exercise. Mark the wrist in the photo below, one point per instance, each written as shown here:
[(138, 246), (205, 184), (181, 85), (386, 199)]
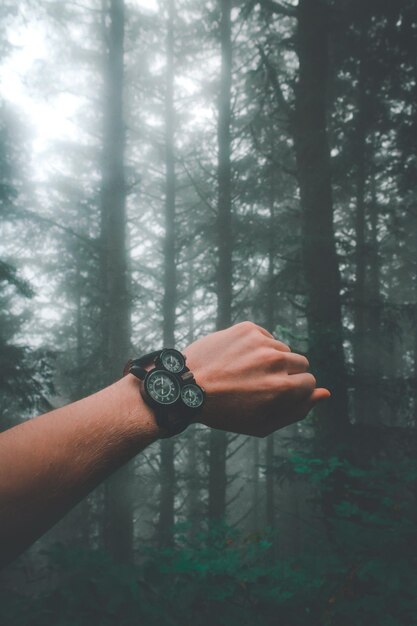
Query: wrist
[(139, 415), (169, 388)]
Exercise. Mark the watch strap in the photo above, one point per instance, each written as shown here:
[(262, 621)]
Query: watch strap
[(137, 366), (170, 422)]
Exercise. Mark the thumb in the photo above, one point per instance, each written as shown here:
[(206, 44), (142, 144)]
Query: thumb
[(317, 396)]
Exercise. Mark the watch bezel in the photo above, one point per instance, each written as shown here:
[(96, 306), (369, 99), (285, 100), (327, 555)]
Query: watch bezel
[(159, 362), (188, 406), (154, 371), (172, 417)]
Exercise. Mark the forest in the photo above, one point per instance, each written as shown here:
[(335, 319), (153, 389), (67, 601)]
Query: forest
[(169, 168)]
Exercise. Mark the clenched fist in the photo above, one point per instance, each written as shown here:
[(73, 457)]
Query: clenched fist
[(254, 383)]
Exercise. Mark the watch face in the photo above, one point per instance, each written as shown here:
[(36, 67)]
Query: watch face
[(192, 396), (172, 360), (162, 387)]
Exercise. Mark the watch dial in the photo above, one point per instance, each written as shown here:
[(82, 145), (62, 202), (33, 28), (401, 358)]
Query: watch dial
[(162, 387), (173, 361), (192, 396)]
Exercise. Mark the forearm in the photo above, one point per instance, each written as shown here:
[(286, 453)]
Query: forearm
[(51, 462), (254, 385)]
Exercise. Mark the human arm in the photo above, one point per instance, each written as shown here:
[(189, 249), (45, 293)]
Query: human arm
[(49, 463), (254, 385)]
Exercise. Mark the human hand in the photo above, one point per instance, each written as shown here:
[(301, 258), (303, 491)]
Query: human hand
[(254, 384)]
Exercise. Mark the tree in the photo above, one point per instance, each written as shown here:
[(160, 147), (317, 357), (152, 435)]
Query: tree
[(25, 373), (115, 309), (324, 314), (167, 469), (224, 289)]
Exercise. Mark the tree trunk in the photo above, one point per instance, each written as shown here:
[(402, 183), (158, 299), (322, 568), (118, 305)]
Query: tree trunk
[(319, 249), (375, 306), (414, 396), (167, 493), (118, 531), (256, 520), (367, 284), (218, 439), (270, 325), (270, 320), (359, 304), (194, 513), (270, 482)]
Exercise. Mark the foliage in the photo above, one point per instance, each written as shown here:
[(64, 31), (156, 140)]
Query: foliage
[(364, 573), (25, 376), (357, 565)]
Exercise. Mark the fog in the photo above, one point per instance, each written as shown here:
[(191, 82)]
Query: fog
[(168, 169)]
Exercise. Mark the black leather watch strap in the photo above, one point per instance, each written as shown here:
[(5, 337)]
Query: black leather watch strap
[(171, 420), (137, 366)]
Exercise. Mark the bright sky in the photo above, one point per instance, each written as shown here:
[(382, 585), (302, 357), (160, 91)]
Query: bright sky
[(48, 119)]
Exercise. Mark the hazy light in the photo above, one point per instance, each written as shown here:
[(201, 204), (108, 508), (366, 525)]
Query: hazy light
[(48, 119)]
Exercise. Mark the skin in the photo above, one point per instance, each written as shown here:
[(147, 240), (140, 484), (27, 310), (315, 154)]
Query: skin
[(254, 386)]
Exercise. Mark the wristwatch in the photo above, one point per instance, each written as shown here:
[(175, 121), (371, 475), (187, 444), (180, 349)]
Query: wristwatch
[(169, 388)]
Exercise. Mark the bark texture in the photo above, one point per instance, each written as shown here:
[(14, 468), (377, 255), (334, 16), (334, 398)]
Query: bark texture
[(218, 439), (167, 446), (118, 530), (319, 248)]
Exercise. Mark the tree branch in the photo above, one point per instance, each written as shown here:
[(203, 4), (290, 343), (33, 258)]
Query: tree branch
[(272, 75), (34, 216), (279, 8)]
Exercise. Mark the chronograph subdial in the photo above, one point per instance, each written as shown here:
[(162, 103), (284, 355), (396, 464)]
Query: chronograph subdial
[(163, 387), (172, 360), (169, 388), (192, 395)]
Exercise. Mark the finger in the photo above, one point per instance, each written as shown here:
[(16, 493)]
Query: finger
[(280, 345), (246, 326), (296, 363), (264, 331), (304, 406), (301, 386), (317, 396)]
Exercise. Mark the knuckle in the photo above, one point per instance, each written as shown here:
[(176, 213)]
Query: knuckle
[(311, 380), (278, 359), (286, 383), (267, 355), (246, 325)]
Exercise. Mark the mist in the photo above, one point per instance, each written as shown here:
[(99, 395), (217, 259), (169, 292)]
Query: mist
[(170, 168)]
